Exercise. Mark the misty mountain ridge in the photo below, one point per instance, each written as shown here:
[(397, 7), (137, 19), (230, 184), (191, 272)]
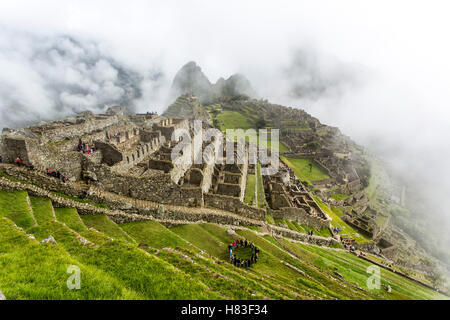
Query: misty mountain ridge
[(191, 79), (62, 75)]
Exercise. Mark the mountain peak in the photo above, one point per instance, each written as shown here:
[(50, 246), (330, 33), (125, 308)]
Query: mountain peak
[(191, 79)]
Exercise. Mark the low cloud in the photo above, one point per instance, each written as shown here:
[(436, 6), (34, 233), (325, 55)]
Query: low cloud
[(48, 77), (313, 76)]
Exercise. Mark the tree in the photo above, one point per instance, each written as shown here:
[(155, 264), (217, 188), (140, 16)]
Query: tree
[(260, 123), (313, 145)]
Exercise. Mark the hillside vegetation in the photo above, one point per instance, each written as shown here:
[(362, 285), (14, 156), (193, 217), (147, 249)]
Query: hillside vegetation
[(145, 260)]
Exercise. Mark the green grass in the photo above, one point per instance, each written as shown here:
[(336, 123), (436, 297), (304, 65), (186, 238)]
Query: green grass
[(250, 189), (336, 221), (299, 227), (281, 146), (42, 209), (65, 196), (339, 196), (337, 211), (133, 268), (269, 219), (324, 232), (11, 178), (254, 228), (70, 217), (120, 269), (228, 287), (301, 169), (315, 283), (354, 270), (215, 244), (286, 222), (13, 205), (103, 224), (29, 270), (233, 120), (243, 253), (153, 234), (260, 187)]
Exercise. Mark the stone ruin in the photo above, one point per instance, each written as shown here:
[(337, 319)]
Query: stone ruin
[(130, 155), (289, 199)]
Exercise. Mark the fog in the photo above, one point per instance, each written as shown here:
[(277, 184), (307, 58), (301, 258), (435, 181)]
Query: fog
[(379, 72)]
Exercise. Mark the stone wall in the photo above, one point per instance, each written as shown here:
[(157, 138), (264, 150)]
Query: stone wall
[(158, 187), (15, 147), (368, 247), (317, 240), (110, 154), (164, 165), (182, 163), (278, 200), (233, 190), (2, 148), (40, 179), (234, 178), (168, 126), (43, 156), (76, 128), (353, 186), (352, 222), (233, 204), (301, 216)]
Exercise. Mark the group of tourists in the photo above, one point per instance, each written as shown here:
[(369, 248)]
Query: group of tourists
[(244, 263), (337, 229), (55, 174), (20, 163), (115, 135), (85, 148), (51, 173), (350, 247)]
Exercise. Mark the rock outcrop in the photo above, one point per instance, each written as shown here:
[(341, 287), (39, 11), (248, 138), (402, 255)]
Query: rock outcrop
[(191, 80)]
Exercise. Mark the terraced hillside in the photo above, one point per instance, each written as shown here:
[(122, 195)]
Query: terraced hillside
[(226, 116), (147, 260)]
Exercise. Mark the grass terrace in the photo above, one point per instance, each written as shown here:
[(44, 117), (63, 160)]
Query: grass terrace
[(302, 171), (250, 189), (336, 221)]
